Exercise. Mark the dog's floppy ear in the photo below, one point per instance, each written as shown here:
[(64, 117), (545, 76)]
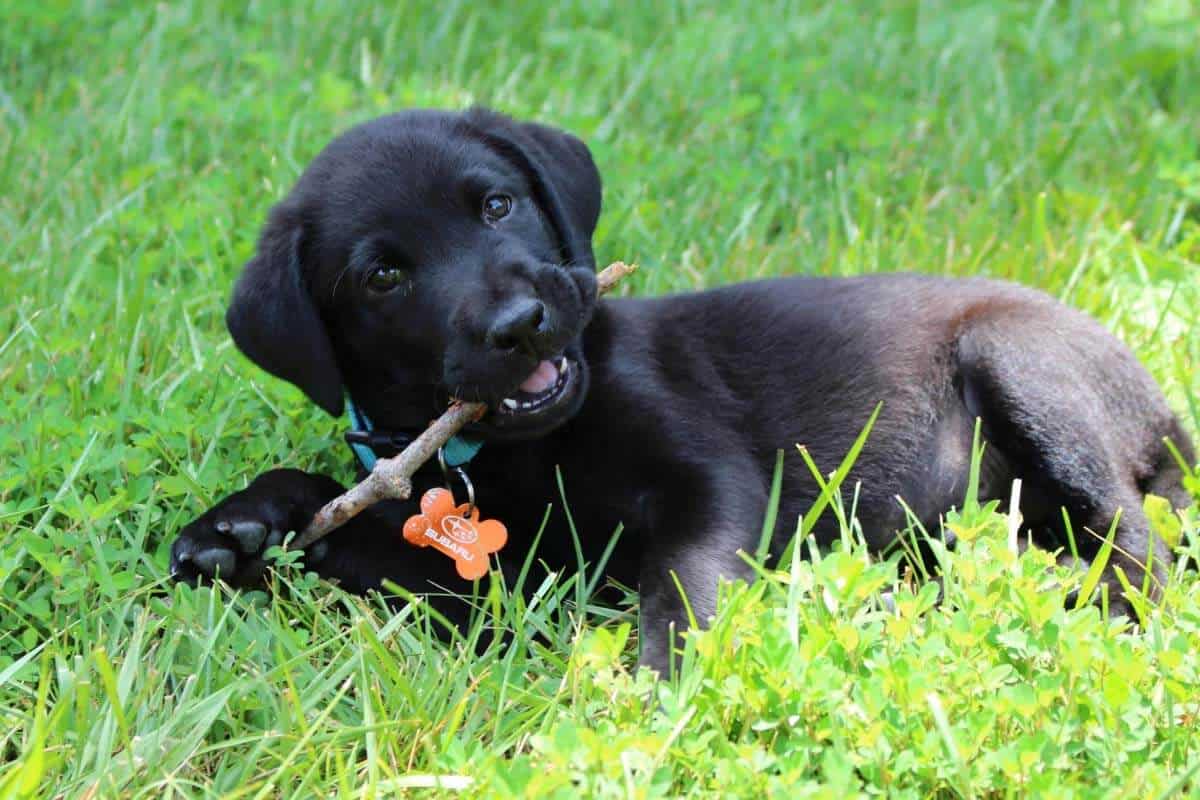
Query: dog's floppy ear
[(274, 320), (563, 175)]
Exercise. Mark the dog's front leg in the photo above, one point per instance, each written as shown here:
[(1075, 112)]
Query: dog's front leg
[(229, 540)]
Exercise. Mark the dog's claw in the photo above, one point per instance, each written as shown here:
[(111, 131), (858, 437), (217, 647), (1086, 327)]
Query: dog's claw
[(248, 534), (215, 561)]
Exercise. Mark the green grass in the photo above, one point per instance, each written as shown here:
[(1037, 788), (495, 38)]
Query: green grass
[(1053, 143)]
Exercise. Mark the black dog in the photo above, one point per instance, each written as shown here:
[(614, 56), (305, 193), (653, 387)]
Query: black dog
[(430, 255)]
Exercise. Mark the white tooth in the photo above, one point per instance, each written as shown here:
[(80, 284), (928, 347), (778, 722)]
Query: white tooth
[(562, 364), (510, 403), (526, 405)]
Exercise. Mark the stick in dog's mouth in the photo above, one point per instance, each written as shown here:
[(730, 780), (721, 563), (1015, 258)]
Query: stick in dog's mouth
[(392, 477)]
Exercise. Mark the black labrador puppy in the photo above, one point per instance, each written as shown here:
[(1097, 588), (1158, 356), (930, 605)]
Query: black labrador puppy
[(429, 255)]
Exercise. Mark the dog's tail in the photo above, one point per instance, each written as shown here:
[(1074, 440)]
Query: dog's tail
[(1166, 478)]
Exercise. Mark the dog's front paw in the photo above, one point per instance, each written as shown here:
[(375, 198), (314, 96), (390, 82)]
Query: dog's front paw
[(228, 542)]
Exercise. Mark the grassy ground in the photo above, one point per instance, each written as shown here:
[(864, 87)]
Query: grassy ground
[(140, 145)]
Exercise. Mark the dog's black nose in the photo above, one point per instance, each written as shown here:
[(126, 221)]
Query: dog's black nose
[(519, 326)]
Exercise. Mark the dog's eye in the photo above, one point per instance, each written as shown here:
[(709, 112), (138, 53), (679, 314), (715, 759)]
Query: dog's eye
[(496, 207), (385, 279)]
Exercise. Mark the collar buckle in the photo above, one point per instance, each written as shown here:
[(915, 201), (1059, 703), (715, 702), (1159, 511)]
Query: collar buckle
[(378, 440), (370, 443)]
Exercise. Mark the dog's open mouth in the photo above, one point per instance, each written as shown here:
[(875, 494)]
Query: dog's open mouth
[(548, 386)]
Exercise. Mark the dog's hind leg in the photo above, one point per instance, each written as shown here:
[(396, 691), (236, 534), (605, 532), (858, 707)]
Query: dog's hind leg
[(1081, 423), (697, 546)]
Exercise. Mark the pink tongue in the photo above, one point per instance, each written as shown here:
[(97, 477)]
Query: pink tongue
[(542, 378)]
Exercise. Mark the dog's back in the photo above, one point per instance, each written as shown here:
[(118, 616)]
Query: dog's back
[(1065, 406)]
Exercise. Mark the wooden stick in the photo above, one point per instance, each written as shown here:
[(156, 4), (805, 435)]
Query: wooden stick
[(392, 477)]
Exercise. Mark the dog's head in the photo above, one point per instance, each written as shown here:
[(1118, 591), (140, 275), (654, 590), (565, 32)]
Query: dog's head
[(428, 255)]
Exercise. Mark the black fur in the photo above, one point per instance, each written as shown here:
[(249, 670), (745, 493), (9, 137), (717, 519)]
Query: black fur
[(677, 404)]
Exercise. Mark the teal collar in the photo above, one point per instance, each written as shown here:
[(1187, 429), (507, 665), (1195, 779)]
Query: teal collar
[(364, 439)]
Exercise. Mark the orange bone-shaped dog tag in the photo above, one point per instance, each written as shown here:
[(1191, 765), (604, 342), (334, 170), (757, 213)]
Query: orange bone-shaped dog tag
[(448, 528)]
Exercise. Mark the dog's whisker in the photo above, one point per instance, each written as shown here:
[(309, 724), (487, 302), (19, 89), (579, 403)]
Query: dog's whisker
[(571, 262), (337, 282)]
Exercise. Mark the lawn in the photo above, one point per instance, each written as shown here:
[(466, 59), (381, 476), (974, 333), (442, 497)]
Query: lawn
[(141, 144)]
